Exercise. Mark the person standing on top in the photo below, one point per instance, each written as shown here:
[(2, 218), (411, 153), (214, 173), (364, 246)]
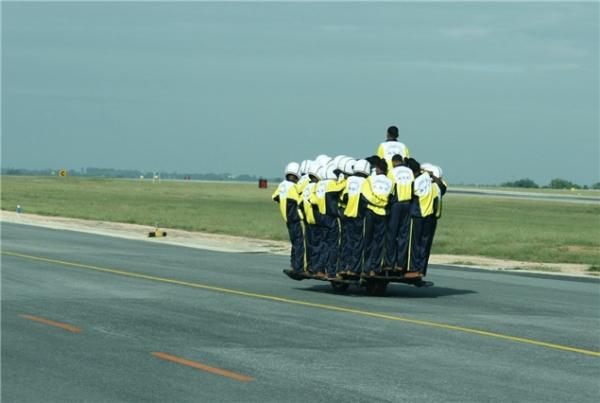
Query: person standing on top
[(391, 146), (288, 198)]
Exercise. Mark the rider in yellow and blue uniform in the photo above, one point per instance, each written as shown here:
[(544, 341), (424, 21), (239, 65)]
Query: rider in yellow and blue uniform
[(327, 192), (391, 146), (288, 198), (354, 217), (376, 190), (398, 225), (426, 208), (310, 211)]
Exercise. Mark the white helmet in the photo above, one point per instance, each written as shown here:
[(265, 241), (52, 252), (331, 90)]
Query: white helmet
[(433, 169), (320, 174), (426, 166), (337, 160), (293, 168), (330, 171), (323, 159), (313, 169), (304, 167), (349, 167), (362, 166), (342, 162)]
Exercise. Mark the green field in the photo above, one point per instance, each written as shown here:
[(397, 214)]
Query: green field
[(526, 230)]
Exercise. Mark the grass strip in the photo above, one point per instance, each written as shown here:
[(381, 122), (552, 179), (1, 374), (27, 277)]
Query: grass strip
[(526, 230)]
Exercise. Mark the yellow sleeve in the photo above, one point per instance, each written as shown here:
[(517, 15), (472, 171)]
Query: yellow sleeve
[(380, 151), (298, 198), (391, 177), (301, 185), (313, 196), (294, 194), (407, 153), (371, 197), (344, 192), (338, 186), (275, 193)]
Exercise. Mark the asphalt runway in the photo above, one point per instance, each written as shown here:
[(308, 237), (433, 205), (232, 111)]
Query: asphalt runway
[(99, 319)]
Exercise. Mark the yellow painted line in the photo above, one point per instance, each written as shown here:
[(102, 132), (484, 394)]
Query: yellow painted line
[(314, 305)]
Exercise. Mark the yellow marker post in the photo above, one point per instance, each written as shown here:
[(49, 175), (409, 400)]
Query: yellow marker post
[(157, 233)]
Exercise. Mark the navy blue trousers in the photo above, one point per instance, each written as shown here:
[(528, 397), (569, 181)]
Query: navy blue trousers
[(431, 228), (374, 238), (313, 247), (330, 245), (423, 230), (354, 246), (342, 264), (297, 239), (397, 234)]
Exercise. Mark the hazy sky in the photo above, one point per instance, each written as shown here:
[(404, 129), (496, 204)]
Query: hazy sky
[(489, 91)]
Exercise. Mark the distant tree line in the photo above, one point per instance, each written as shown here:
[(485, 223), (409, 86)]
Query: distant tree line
[(133, 173), (556, 183)]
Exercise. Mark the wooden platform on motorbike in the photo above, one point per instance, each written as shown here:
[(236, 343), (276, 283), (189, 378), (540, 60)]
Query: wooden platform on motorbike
[(359, 280)]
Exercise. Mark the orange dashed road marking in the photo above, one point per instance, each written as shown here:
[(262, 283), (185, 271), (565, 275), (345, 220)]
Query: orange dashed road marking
[(63, 326), (197, 365)]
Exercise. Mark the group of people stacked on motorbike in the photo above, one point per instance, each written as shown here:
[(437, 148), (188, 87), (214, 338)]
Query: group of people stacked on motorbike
[(368, 217)]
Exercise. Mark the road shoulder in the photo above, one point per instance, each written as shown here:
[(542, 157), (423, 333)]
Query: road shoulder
[(235, 244)]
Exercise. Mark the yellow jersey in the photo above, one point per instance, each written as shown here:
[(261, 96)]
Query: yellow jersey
[(326, 194), (307, 203), (377, 190), (288, 198), (389, 148), (402, 177), (426, 192), (352, 195)]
